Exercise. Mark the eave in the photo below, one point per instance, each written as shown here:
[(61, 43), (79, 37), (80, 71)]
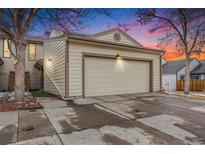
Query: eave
[(107, 43)]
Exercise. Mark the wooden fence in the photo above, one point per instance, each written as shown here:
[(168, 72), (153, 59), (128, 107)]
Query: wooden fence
[(195, 85)]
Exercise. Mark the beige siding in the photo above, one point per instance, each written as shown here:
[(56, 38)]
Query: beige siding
[(105, 76), (54, 66), (75, 63), (109, 37), (29, 67), (49, 86)]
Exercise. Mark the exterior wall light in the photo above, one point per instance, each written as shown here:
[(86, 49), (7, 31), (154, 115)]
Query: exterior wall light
[(49, 59), (118, 56)]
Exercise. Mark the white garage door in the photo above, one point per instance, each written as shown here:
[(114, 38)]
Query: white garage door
[(104, 76)]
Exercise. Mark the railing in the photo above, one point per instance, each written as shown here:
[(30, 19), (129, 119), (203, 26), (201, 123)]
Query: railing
[(4, 81), (195, 85), (35, 81)]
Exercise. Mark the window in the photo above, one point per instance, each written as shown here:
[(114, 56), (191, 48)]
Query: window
[(195, 77), (32, 52), (182, 77), (6, 52)]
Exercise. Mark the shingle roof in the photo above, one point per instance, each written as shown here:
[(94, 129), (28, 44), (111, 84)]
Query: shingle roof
[(172, 67), (200, 69)]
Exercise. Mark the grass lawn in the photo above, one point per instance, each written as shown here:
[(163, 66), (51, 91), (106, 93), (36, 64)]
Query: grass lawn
[(42, 94)]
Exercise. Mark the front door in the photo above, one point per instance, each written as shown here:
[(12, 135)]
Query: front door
[(12, 81)]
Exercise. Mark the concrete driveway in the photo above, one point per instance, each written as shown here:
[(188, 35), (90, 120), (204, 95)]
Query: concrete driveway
[(124, 119)]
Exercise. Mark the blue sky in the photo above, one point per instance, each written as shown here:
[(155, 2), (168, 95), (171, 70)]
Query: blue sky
[(125, 19), (122, 18)]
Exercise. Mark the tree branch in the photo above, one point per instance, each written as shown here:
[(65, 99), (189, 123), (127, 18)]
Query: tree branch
[(195, 40), (171, 23)]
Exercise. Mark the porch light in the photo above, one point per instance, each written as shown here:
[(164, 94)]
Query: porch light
[(119, 63), (118, 56), (49, 59)]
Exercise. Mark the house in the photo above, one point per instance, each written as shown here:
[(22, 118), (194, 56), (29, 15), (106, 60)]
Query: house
[(33, 76), (163, 61), (175, 70), (106, 63), (199, 72)]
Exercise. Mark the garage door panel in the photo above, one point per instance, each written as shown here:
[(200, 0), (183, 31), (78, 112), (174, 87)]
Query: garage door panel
[(104, 76)]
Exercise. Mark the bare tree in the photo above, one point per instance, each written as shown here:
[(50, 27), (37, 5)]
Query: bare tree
[(182, 27), (16, 23)]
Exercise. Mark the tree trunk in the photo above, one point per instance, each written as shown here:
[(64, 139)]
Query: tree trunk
[(187, 76), (20, 71)]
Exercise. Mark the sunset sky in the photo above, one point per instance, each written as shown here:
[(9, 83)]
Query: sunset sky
[(125, 19)]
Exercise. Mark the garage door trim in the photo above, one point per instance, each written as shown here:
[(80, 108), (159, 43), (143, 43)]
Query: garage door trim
[(85, 54)]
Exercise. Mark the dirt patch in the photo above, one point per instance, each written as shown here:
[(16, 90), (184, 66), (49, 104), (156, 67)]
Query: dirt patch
[(114, 140), (7, 134)]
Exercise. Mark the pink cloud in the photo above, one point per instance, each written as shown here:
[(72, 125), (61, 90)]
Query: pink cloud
[(158, 29), (153, 30), (149, 45), (128, 27), (109, 25)]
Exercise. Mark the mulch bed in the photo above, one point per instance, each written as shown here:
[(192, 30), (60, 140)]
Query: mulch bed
[(26, 105)]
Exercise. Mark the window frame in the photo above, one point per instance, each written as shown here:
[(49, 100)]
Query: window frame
[(29, 52), (8, 48), (193, 77)]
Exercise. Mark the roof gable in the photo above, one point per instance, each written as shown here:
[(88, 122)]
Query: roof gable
[(163, 61), (200, 69), (109, 35), (172, 67)]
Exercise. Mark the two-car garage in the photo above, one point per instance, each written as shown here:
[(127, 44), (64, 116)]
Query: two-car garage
[(112, 75), (102, 64)]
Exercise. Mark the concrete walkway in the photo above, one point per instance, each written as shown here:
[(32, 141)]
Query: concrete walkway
[(123, 119)]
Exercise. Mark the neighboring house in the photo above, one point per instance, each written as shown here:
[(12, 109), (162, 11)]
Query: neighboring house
[(33, 76), (163, 61), (106, 63), (199, 71), (175, 70)]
